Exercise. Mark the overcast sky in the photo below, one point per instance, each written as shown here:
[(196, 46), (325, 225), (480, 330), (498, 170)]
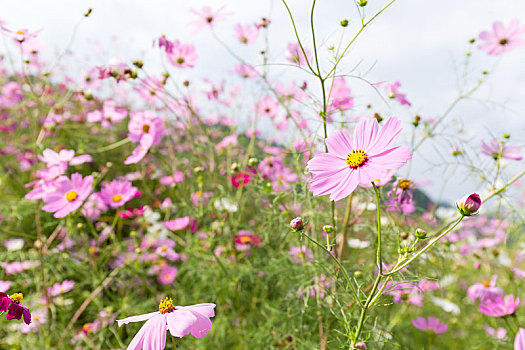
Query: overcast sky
[(421, 43)]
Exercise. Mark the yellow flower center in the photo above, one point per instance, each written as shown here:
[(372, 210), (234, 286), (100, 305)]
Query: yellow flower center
[(20, 32), (16, 298), (486, 284), (117, 198), (356, 158), (245, 239), (71, 196), (404, 184), (145, 127), (166, 306)]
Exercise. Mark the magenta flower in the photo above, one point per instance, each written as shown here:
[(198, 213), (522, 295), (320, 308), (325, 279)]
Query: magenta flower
[(172, 180), (117, 193), (361, 160), (432, 324), (14, 309), (519, 341), (400, 197), (502, 39), (179, 320), (177, 224), (495, 149), (68, 196), (182, 55), (469, 205), (167, 274), (246, 33), (486, 290), (297, 223), (499, 306)]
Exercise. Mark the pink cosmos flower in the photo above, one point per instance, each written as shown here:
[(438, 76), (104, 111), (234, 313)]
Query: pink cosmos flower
[(494, 148), (146, 141), (143, 123), (240, 179), (245, 239), (400, 197), (61, 288), (361, 160), (150, 89), (67, 156), (4, 286), (177, 224), (167, 274), (301, 255), (296, 55), (230, 140), (500, 333), (519, 341), (179, 320), (117, 193), (486, 290), (207, 17), (94, 206), (69, 194), (246, 71), (267, 107), (499, 306), (246, 33), (340, 95), (393, 93), (38, 318), (432, 324), (182, 55), (172, 180), (108, 116), (502, 39), (14, 309)]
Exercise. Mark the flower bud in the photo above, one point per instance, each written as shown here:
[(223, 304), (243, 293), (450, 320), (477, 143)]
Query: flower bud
[(297, 223), (358, 274), (253, 161), (360, 345), (235, 167), (344, 23), (362, 3), (403, 235), (421, 234), (469, 205), (506, 136), (328, 228)]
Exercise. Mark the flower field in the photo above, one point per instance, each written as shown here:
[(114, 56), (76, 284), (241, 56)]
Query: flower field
[(273, 205)]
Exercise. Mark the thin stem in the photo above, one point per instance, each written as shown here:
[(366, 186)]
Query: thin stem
[(427, 247), (173, 342), (378, 207), (345, 273), (342, 235)]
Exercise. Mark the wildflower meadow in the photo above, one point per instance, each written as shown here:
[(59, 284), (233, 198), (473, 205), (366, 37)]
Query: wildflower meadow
[(293, 200)]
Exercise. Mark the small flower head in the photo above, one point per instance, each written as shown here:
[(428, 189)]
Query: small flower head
[(499, 306), (432, 325), (469, 205)]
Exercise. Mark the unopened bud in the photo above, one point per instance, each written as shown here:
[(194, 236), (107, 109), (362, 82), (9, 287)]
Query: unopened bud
[(506, 136), (469, 205), (362, 3), (297, 224), (328, 228), (416, 121), (138, 63), (421, 234), (235, 167), (253, 161), (344, 23), (403, 235)]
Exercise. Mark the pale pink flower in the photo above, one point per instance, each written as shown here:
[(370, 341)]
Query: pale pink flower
[(500, 333), (296, 55), (147, 122), (502, 39), (171, 180), (182, 55), (60, 288), (301, 254), (246, 33), (167, 274), (179, 320), (207, 17), (432, 324), (109, 115), (246, 71), (267, 107), (519, 341), (486, 290), (361, 160), (146, 141), (67, 156), (496, 149)]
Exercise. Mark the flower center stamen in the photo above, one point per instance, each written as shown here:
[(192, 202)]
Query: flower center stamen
[(116, 198), (404, 184), (166, 306), (356, 158), (16, 298), (503, 41), (71, 196), (145, 127)]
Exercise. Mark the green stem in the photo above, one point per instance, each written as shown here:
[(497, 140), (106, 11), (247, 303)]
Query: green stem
[(378, 207), (345, 273), (173, 342)]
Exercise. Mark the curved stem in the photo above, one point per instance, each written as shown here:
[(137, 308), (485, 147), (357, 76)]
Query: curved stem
[(345, 273)]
